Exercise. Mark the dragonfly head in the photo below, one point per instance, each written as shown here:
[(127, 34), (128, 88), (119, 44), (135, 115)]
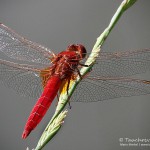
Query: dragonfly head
[(80, 49)]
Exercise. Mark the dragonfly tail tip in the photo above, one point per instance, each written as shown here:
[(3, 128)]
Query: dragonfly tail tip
[(25, 134)]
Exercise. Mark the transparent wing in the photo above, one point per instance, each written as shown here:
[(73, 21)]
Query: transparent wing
[(23, 79), (17, 47), (122, 64), (99, 89)]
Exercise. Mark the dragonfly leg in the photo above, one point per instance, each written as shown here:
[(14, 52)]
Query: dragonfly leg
[(69, 104), (67, 93), (68, 85), (88, 65), (79, 73), (57, 99), (84, 65)]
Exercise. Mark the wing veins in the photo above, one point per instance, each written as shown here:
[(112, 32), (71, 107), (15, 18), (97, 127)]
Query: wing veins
[(24, 67)]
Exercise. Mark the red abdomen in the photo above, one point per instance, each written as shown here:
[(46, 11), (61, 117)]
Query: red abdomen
[(42, 105)]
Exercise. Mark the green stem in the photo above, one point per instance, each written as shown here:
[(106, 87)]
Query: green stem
[(50, 130)]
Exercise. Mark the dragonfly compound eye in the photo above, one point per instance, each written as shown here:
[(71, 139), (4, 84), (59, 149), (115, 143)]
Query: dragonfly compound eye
[(82, 50), (79, 48)]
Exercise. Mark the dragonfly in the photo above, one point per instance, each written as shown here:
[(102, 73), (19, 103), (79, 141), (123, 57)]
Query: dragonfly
[(33, 70)]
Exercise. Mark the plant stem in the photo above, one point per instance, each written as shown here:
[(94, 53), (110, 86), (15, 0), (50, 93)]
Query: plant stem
[(50, 130)]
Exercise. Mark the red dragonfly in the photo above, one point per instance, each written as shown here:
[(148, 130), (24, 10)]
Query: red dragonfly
[(35, 71)]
